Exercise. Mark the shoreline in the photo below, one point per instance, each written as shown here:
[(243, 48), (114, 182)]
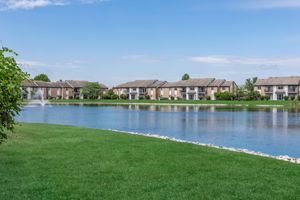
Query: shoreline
[(238, 150), (162, 104)]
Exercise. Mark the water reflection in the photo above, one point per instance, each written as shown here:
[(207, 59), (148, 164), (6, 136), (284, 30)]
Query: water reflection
[(270, 130)]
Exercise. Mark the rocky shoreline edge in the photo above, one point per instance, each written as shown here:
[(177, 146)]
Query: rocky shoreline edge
[(281, 157)]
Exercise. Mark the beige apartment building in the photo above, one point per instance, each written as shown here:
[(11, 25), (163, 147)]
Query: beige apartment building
[(196, 89), (137, 89), (276, 88), (70, 89)]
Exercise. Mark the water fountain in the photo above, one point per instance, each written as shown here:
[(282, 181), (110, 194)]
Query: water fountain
[(38, 98)]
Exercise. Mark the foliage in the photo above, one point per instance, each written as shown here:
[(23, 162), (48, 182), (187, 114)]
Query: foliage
[(141, 98), (185, 76), (42, 77), (249, 84), (293, 98), (91, 90), (208, 98), (286, 98), (11, 77), (110, 94), (147, 97), (224, 95), (124, 96)]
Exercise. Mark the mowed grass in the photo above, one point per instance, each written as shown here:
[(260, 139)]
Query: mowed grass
[(43, 161), (292, 104)]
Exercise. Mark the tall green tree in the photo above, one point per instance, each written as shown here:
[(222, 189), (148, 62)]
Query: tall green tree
[(249, 84), (91, 90), (42, 77), (185, 77), (11, 77)]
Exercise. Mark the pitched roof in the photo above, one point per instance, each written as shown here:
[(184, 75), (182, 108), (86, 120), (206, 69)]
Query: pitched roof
[(103, 86), (28, 83), (196, 82), (291, 80), (76, 84), (217, 83), (140, 84), (227, 83)]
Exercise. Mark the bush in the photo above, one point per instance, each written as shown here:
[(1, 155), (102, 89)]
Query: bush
[(208, 98), (286, 98), (298, 98), (110, 95), (164, 98), (141, 98), (172, 98), (224, 96), (147, 97), (124, 96), (292, 98)]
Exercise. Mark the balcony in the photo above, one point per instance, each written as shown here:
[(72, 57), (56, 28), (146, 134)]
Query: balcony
[(293, 91), (268, 90)]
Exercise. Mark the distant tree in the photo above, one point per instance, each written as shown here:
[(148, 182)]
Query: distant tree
[(11, 77), (91, 90), (185, 77), (110, 94), (249, 84), (42, 77)]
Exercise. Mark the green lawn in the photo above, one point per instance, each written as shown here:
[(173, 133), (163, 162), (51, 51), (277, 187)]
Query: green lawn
[(44, 161), (243, 103)]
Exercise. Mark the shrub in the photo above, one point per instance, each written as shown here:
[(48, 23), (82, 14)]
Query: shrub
[(208, 98), (141, 98), (224, 96), (164, 98), (298, 98), (292, 98), (124, 96), (172, 98), (286, 98), (147, 97)]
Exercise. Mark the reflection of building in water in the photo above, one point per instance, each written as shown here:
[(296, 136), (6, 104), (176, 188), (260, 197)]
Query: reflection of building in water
[(280, 118)]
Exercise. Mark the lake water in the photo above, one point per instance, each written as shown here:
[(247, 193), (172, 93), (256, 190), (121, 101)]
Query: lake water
[(274, 131)]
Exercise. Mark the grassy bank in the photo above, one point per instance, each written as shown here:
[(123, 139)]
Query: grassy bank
[(199, 102), (44, 161)]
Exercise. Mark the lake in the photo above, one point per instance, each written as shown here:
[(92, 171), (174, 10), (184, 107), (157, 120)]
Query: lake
[(275, 131)]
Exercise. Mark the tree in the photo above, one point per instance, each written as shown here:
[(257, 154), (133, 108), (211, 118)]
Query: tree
[(110, 94), (91, 90), (185, 77), (11, 77), (42, 77), (249, 84)]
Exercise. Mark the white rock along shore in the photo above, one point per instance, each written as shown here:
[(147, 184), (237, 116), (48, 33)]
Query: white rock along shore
[(283, 157)]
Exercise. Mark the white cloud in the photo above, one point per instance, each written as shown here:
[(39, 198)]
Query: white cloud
[(226, 60), (268, 4), (30, 63), (31, 4)]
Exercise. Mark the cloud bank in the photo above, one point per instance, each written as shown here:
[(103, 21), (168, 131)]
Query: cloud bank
[(31, 4)]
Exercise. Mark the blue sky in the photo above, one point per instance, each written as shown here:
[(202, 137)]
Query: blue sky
[(113, 41)]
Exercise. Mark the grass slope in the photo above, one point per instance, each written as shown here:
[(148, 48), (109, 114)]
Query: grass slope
[(43, 161), (243, 103)]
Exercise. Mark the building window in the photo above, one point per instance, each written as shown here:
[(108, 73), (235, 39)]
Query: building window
[(280, 87), (212, 88), (192, 88), (259, 87)]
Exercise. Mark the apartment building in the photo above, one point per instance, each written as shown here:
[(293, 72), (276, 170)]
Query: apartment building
[(140, 89), (196, 89), (276, 88), (70, 89)]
